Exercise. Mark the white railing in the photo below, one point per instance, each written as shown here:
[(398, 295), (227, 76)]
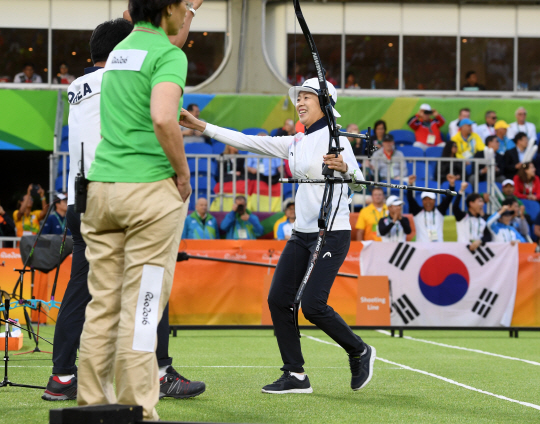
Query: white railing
[(213, 171)]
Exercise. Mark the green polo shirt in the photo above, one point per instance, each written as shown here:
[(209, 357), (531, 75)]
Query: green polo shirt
[(129, 151)]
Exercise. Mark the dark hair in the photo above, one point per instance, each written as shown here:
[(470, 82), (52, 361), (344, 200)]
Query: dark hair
[(490, 138), (447, 150), (106, 36), (522, 175), (472, 198), (28, 64), (191, 106), (519, 136), (149, 10), (379, 122), (469, 73), (488, 112), (509, 201), (388, 137), (464, 109), (240, 197)]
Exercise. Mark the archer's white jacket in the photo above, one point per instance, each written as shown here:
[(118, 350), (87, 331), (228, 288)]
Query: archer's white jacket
[(305, 154)]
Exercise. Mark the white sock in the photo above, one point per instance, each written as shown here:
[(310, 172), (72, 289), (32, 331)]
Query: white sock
[(64, 378), (163, 371), (299, 376)]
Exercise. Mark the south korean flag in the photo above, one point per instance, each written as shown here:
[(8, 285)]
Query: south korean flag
[(444, 284)]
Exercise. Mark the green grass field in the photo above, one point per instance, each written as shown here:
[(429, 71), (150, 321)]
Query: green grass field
[(235, 364)]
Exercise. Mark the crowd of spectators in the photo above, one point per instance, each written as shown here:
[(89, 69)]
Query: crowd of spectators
[(28, 75), (381, 219)]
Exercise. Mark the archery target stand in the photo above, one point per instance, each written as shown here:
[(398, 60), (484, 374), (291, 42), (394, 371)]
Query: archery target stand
[(6, 382), (30, 329)]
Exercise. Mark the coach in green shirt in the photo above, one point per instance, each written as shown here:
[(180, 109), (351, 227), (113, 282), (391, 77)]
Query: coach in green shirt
[(137, 204)]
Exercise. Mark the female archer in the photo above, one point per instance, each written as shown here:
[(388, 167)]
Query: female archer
[(307, 154)]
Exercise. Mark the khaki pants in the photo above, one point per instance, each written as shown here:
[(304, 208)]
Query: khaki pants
[(132, 232)]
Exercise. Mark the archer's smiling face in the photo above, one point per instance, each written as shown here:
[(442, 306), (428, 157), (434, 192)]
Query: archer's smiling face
[(308, 108)]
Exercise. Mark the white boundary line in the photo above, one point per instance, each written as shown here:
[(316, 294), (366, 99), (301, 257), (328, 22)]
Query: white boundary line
[(464, 348), (447, 380)]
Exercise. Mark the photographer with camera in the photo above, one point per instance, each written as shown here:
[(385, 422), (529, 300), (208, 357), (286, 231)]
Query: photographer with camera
[(500, 224), (240, 223), (27, 220), (426, 125)]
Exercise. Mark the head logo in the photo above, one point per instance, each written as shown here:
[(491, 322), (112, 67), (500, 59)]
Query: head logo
[(443, 280)]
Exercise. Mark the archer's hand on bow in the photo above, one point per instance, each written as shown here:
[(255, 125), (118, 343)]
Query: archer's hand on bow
[(336, 163)]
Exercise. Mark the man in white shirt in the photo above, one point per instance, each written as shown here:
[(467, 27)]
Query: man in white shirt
[(453, 127), (487, 129), (429, 219), (389, 162), (471, 225), (521, 125)]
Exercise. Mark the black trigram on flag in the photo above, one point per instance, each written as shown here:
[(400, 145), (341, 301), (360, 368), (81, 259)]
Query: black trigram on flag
[(485, 302), (405, 309), (483, 255), (402, 255)]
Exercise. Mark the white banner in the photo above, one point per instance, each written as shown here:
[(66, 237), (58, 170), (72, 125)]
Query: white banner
[(445, 284)]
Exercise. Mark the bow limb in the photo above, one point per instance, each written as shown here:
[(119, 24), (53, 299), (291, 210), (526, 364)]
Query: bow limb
[(324, 94)]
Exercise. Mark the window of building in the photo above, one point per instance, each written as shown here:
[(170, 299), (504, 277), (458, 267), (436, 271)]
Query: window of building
[(429, 63), (71, 54), (329, 47), (492, 59), (205, 52), (20, 47), (371, 62), (528, 64)]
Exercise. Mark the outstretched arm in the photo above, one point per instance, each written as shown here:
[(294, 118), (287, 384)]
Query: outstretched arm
[(414, 207), (263, 145)]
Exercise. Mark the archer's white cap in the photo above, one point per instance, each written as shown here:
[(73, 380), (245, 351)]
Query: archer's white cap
[(425, 106), (505, 182), (428, 194), (393, 201), (312, 86)]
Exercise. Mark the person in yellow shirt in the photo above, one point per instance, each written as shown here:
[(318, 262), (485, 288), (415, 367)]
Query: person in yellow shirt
[(468, 142), (369, 217), (27, 220)]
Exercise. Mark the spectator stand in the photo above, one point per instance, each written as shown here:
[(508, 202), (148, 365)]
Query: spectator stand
[(206, 163)]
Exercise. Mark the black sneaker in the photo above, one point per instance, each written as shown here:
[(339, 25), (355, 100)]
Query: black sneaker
[(174, 385), (56, 390), (288, 383), (362, 367)]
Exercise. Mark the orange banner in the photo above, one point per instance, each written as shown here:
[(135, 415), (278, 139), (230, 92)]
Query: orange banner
[(527, 305), (206, 292), (215, 293)]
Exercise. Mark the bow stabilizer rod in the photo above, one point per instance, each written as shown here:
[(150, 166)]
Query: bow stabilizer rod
[(339, 180)]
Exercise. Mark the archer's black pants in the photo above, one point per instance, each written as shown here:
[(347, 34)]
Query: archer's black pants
[(290, 270), (72, 311)]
